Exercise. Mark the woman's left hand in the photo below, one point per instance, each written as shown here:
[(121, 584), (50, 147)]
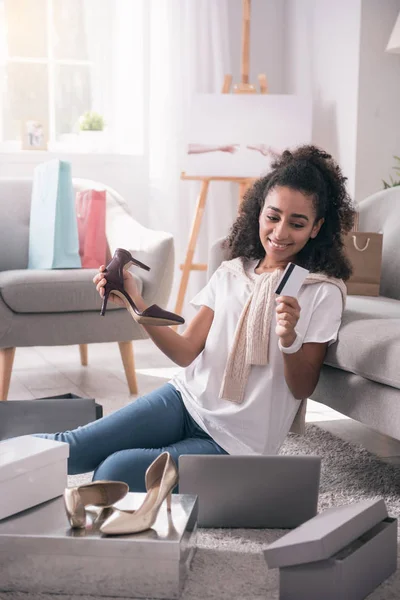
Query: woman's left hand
[(287, 316)]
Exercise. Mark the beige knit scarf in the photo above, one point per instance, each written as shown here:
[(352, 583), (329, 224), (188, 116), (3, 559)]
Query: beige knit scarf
[(251, 341)]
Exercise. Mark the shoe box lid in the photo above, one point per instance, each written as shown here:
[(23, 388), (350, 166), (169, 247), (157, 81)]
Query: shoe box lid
[(325, 534), (26, 453)]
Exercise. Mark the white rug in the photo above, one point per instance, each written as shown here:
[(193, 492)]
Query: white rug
[(229, 564)]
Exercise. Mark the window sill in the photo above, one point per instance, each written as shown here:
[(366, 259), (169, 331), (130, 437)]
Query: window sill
[(37, 156), (87, 147)]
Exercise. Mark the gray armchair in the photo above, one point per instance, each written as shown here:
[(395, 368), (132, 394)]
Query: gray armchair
[(61, 307), (361, 376)]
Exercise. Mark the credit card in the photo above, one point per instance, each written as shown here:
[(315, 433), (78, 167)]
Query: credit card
[(291, 281)]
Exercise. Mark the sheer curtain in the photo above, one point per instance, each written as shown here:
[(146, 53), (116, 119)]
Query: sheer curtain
[(115, 34), (189, 52)]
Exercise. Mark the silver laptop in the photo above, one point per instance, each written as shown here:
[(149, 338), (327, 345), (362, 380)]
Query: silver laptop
[(252, 491)]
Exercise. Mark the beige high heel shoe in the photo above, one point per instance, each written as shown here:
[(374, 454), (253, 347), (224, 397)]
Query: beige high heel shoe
[(97, 493), (161, 478)]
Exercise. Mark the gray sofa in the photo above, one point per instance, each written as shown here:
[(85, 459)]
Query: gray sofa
[(61, 307), (361, 374)]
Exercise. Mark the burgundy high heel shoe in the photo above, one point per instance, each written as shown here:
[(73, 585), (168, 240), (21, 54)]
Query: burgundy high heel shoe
[(153, 315)]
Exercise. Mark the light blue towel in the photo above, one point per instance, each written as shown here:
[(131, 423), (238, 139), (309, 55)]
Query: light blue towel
[(53, 229)]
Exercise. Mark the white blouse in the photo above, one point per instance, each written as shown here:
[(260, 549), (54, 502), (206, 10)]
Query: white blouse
[(259, 424)]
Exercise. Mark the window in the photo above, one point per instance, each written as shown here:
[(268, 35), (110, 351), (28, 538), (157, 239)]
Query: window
[(61, 58)]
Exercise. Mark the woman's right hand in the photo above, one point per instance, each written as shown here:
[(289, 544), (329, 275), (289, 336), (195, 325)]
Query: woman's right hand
[(130, 286)]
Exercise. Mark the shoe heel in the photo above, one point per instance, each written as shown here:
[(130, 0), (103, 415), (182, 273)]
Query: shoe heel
[(169, 501), (134, 261), (104, 305), (77, 519), (139, 264)]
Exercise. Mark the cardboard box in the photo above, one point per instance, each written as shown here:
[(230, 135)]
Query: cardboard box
[(343, 553), (32, 470), (46, 415), (39, 553)]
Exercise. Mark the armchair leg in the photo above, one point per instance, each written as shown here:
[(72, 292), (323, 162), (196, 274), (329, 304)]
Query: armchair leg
[(83, 349), (126, 350), (6, 365)]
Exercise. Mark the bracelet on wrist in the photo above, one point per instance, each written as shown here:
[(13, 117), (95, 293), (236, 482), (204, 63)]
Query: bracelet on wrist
[(295, 347)]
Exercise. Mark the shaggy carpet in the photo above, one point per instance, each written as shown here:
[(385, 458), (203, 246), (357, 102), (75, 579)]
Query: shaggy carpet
[(229, 565)]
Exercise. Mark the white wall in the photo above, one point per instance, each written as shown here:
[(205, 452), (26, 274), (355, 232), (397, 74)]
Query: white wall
[(379, 98), (336, 52), (267, 44), (322, 59)]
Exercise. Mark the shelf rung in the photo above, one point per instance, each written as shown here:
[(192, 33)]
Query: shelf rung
[(195, 267)]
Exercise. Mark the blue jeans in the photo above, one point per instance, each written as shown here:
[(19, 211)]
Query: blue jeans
[(121, 446)]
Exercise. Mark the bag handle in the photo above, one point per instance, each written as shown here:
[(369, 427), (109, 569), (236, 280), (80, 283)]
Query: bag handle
[(356, 221), (356, 245), (82, 204)]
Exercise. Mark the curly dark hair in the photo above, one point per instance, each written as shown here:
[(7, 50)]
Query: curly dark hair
[(313, 172)]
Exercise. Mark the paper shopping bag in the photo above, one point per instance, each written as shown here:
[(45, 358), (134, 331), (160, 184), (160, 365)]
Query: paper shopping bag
[(91, 217), (364, 250), (53, 230)]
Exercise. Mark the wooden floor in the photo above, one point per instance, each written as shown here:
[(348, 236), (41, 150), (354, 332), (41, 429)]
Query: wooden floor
[(45, 371)]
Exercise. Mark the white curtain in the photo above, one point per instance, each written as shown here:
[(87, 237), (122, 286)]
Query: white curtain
[(189, 52)]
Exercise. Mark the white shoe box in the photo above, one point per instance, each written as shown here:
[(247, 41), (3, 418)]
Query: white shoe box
[(343, 553), (41, 554), (32, 470)]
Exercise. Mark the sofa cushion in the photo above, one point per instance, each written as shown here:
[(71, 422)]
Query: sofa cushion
[(369, 340), (52, 290)]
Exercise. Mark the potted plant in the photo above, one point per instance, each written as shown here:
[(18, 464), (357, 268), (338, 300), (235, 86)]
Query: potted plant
[(393, 183), (91, 130)]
